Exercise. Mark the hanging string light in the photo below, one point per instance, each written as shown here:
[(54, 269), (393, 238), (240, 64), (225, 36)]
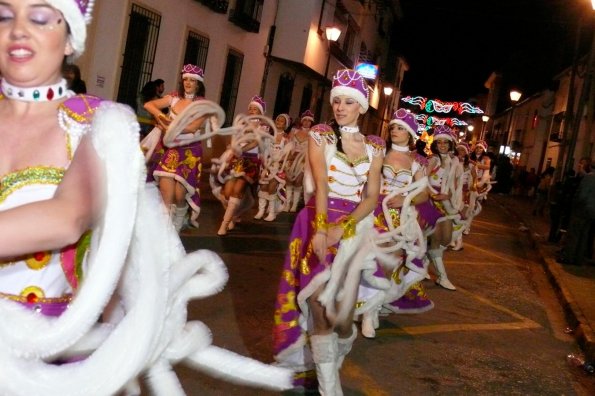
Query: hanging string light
[(438, 106)]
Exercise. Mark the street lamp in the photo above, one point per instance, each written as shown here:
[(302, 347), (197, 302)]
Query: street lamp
[(514, 98), (485, 120), (332, 33), (388, 91), (470, 128)]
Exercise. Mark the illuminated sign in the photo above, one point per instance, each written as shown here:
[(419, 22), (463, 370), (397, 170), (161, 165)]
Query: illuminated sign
[(367, 70)]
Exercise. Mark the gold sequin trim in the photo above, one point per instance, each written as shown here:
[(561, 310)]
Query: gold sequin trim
[(43, 300), (29, 176), (80, 118), (68, 147), (361, 160)]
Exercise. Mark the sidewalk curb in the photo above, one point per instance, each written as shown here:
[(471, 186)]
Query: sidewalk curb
[(582, 331)]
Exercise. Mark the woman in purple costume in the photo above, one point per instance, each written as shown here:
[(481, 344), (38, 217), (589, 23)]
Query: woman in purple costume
[(467, 182), (310, 304), (177, 169), (442, 177), (242, 173), (404, 171), (48, 167)]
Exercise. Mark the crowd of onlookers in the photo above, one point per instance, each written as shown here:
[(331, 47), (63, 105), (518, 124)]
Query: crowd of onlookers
[(568, 202)]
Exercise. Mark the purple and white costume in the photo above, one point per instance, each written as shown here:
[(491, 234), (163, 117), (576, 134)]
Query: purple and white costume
[(183, 164), (303, 273), (46, 281)]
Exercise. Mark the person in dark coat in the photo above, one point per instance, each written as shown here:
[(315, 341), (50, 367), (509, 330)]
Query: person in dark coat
[(579, 241)]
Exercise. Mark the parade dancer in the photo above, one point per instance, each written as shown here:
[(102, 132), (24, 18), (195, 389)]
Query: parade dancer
[(89, 261), (272, 177), (298, 162), (403, 185), (241, 172), (318, 290), (442, 170), (176, 170), (466, 181), (482, 163)]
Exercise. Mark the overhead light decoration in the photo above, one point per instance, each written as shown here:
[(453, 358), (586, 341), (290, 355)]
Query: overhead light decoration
[(431, 121), (438, 106)]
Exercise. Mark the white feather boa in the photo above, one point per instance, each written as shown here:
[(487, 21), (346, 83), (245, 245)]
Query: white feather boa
[(136, 250)]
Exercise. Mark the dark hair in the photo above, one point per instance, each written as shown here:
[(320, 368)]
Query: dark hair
[(288, 126), (200, 88), (333, 124), (69, 67), (466, 160), (420, 147), (149, 91), (474, 157), (434, 148), (158, 82), (389, 143)]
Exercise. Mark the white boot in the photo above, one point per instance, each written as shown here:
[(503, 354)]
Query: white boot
[(288, 195), (370, 322), (179, 216), (344, 346), (458, 244), (172, 212), (262, 204), (297, 195), (231, 208), (272, 208), (442, 279), (325, 355)]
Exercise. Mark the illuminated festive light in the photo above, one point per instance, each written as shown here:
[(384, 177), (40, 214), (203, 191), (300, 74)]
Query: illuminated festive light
[(431, 121), (438, 106)]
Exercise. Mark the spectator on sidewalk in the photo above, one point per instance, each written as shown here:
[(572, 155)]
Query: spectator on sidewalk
[(579, 243), (531, 182), (503, 175), (543, 189)]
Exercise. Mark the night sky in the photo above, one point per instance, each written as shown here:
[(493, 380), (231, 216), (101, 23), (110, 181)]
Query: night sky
[(453, 46)]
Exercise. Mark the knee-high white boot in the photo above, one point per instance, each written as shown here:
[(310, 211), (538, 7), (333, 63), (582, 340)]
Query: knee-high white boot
[(344, 346), (442, 280), (179, 216), (272, 208), (262, 204), (231, 208), (297, 195), (325, 355), (289, 195)]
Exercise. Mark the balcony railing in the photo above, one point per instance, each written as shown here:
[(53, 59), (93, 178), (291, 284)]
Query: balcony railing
[(219, 6), (245, 21)]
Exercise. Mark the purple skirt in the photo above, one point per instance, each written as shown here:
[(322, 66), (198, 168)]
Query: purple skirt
[(184, 164), (301, 266), (415, 299), (247, 167), (428, 216)]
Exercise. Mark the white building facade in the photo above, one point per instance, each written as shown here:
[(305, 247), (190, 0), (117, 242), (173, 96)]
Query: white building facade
[(275, 48)]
